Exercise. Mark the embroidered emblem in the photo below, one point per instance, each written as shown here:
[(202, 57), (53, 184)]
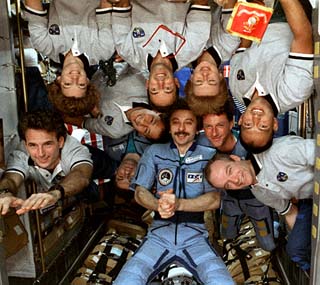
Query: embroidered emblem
[(165, 177), (108, 120), (138, 32), (240, 75), (194, 177), (193, 158), (282, 176), (54, 30)]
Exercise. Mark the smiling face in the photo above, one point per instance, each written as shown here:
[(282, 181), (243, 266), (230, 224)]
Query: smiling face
[(231, 174), (44, 148), (258, 122), (147, 122), (162, 85), (73, 79), (183, 129), (206, 79), (217, 129)]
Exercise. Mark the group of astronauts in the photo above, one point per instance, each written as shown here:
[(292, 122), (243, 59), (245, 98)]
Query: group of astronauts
[(120, 62)]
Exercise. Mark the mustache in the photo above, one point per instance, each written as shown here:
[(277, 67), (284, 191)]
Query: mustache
[(181, 133)]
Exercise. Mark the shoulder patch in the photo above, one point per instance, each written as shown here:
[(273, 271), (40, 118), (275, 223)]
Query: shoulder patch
[(138, 32), (282, 177), (108, 120), (54, 29), (240, 75)]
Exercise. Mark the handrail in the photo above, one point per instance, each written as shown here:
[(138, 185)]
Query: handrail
[(21, 55), (3, 272)]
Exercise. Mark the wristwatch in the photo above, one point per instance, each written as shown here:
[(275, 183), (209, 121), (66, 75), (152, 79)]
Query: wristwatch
[(59, 188)]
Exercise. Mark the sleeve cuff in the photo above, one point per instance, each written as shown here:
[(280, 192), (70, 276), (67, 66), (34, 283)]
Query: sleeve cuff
[(121, 9), (101, 11), (286, 210), (36, 12), (226, 11), (200, 8)]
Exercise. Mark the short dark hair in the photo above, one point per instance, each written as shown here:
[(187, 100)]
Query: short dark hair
[(73, 106), (182, 104), (47, 120), (164, 135), (251, 147), (163, 109)]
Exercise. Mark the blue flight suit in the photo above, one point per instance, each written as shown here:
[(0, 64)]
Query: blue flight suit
[(182, 238)]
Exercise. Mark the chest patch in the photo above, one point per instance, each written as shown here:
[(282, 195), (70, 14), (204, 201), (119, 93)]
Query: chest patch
[(281, 176), (165, 177), (108, 120), (54, 30), (194, 177), (240, 75), (138, 32)]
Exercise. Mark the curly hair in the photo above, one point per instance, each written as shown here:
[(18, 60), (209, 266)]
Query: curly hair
[(47, 120), (73, 106), (202, 105)]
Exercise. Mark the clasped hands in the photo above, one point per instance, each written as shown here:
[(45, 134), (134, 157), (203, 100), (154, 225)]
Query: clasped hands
[(167, 204)]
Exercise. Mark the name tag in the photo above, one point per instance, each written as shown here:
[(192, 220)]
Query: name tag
[(194, 158)]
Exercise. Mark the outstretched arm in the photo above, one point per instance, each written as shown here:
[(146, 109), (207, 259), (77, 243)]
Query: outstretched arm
[(37, 19), (199, 15), (77, 179), (300, 26), (73, 183), (103, 45)]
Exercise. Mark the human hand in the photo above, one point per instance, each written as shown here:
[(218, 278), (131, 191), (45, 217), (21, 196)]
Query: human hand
[(167, 204), (200, 2), (225, 3), (36, 201), (105, 4), (120, 3), (7, 201)]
